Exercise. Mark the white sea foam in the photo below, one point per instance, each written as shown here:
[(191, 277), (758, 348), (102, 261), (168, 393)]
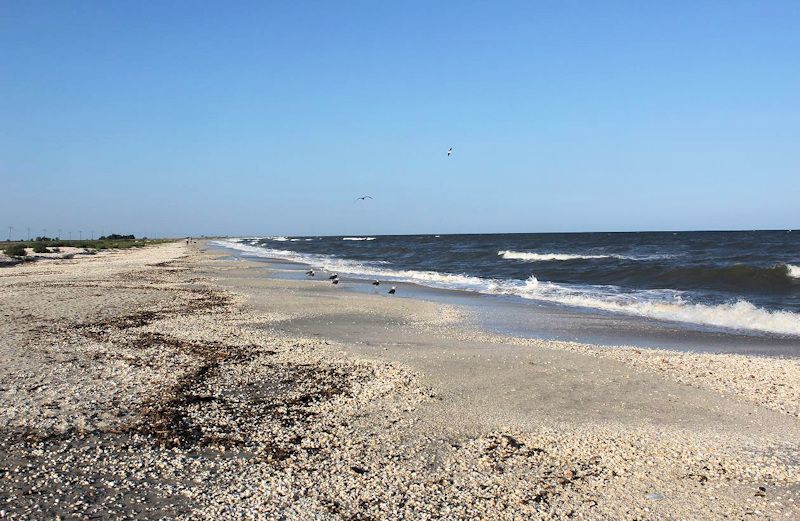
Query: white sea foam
[(534, 257), (255, 251), (278, 238), (666, 305), (657, 304), (793, 271), (541, 257), (358, 238), (370, 270)]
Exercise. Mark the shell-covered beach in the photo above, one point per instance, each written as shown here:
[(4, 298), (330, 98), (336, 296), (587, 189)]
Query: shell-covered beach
[(173, 382)]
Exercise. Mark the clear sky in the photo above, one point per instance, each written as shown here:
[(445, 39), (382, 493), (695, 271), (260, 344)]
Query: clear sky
[(176, 118)]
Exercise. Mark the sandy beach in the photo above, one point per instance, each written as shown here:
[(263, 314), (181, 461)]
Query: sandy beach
[(173, 382)]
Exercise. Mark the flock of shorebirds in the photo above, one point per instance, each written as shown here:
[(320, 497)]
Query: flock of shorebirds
[(335, 280)]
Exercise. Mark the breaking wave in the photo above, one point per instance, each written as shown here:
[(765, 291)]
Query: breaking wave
[(358, 238), (534, 257), (666, 305), (541, 257)]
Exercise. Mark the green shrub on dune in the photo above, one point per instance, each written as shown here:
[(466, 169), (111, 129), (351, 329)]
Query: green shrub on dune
[(91, 247), (16, 250)]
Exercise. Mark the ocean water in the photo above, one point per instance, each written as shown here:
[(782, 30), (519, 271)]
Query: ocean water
[(745, 281)]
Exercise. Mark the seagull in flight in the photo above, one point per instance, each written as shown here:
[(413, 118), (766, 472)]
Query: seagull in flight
[(450, 152), (363, 198)]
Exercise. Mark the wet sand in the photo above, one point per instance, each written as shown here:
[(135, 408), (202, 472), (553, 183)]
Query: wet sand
[(172, 382)]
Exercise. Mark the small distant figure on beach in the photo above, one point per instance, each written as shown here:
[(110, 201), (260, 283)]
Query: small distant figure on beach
[(376, 283), (450, 152), (334, 276), (335, 281), (392, 291), (310, 273), (363, 198)]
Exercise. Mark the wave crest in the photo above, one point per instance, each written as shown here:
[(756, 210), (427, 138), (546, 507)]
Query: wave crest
[(358, 238), (666, 305), (534, 257), (542, 257)]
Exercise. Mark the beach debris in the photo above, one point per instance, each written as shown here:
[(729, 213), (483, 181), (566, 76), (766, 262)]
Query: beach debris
[(392, 291), (655, 496), (761, 492), (509, 441)]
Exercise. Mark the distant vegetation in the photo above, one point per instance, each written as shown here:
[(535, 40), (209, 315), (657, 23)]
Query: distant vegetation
[(116, 237), (15, 250), (114, 241)]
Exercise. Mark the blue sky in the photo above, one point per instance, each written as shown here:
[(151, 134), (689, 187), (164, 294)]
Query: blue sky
[(175, 118)]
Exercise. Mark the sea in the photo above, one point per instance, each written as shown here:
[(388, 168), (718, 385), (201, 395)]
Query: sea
[(744, 281)]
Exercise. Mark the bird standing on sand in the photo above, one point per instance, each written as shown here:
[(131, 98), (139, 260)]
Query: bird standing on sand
[(450, 152), (391, 291), (376, 283), (363, 198)]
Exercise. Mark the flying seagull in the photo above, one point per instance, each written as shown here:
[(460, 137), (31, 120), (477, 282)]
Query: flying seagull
[(363, 198), (450, 152)]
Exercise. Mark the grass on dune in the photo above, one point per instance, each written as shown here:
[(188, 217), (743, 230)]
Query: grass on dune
[(16, 249)]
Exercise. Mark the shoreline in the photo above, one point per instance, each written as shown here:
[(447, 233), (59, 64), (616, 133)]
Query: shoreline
[(676, 298), (513, 316), (170, 381)]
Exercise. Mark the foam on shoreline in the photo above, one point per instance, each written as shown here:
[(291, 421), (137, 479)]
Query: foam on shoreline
[(663, 304)]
